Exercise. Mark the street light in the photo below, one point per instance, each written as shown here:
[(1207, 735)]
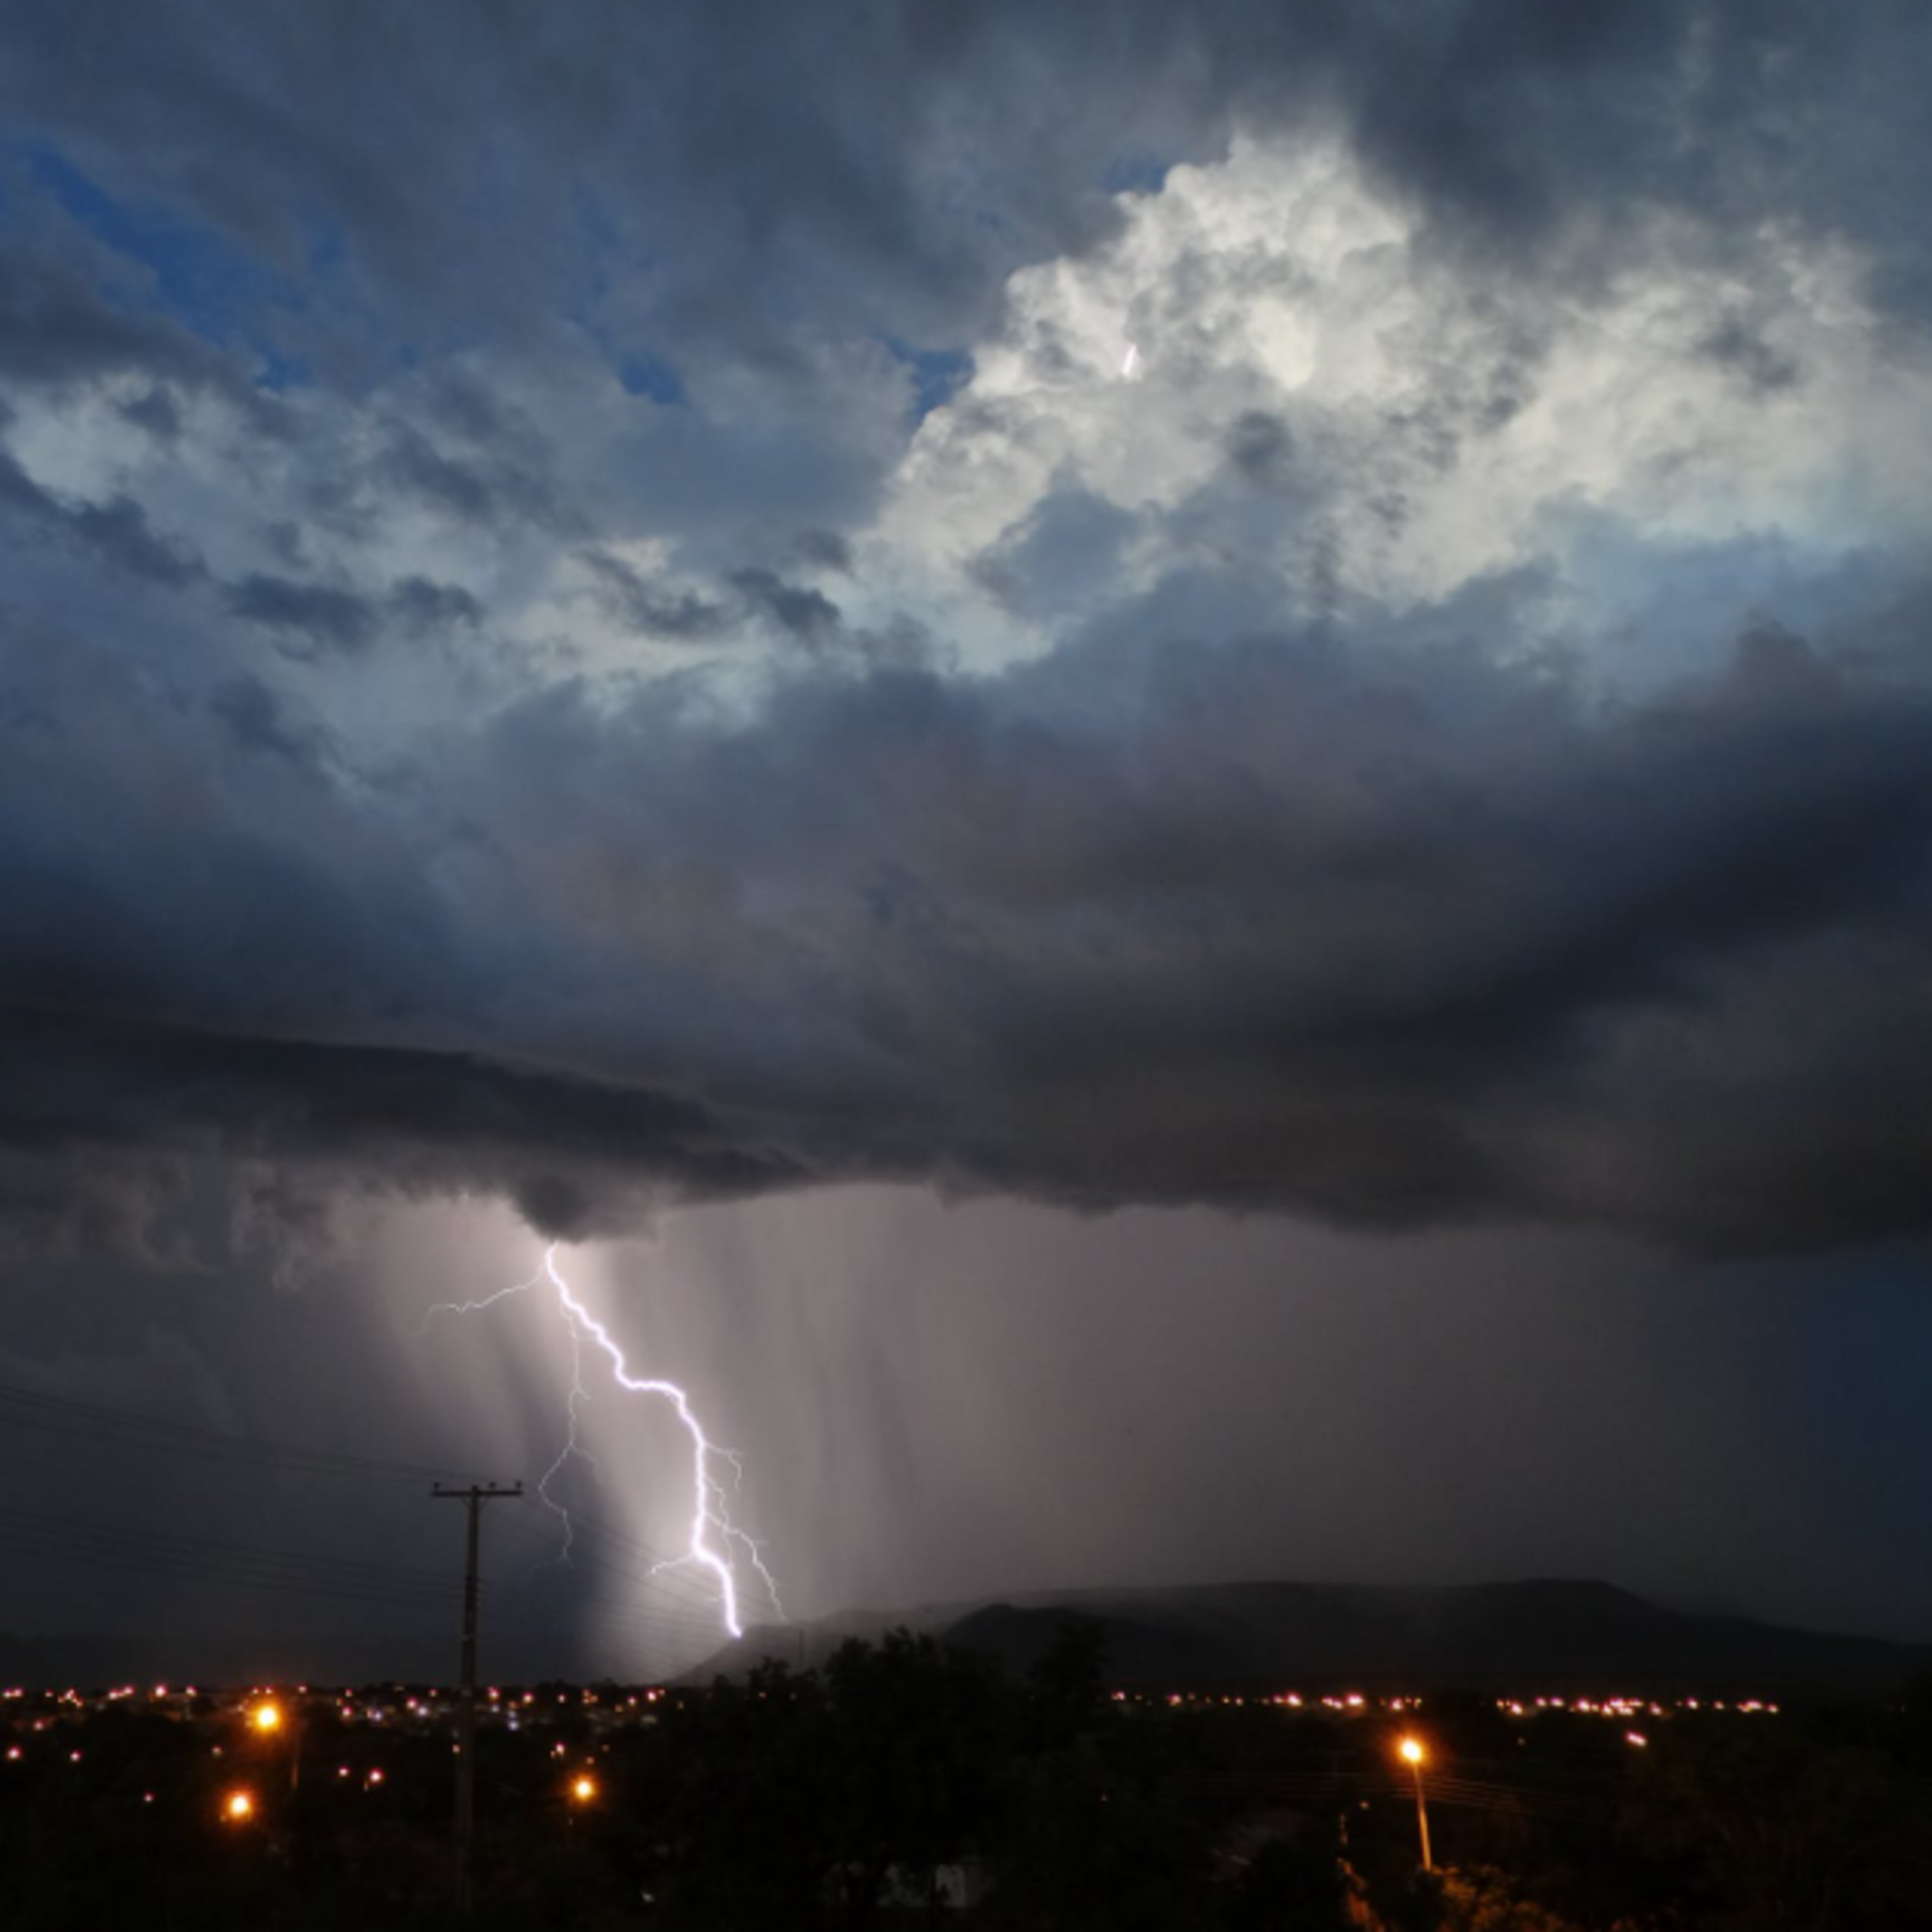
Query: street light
[(581, 1793), (269, 1721), (238, 1807), (1414, 1756)]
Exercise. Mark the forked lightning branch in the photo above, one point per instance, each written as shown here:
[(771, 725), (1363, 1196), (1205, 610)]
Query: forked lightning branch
[(716, 1543)]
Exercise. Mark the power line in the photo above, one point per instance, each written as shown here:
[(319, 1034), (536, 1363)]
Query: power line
[(60, 1414), (669, 1610), (209, 1560)]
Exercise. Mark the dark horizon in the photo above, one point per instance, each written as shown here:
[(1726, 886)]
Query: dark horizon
[(1544, 1633)]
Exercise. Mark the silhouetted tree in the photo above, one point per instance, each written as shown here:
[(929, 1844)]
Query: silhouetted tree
[(1779, 1833), (917, 1737), (744, 1833), (1094, 1848), (1067, 1688), (1297, 1883)]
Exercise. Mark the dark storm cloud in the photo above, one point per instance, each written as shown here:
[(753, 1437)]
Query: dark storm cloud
[(1261, 447), (631, 598), (825, 549), (1379, 931), (806, 161), (488, 490), (258, 721), (1384, 922), (119, 531), (421, 605), (319, 616), (116, 532), (1738, 345), (441, 1121), (806, 614), (312, 615), (156, 411), (57, 326), (1066, 548)]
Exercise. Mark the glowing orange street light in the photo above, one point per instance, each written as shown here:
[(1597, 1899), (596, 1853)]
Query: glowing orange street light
[(582, 1788), (1415, 1755), (238, 1807), (268, 1719)]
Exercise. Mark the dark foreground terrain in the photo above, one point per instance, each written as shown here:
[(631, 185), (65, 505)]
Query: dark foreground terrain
[(909, 1782)]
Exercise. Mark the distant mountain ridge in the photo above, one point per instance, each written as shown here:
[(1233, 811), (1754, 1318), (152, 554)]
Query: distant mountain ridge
[(1547, 1631), (1540, 1634)]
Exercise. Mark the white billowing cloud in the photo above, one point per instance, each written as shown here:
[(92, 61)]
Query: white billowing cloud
[(484, 478), (1323, 407), (1321, 395)]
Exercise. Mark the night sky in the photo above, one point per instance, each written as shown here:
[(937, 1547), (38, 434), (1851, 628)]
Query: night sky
[(1164, 771)]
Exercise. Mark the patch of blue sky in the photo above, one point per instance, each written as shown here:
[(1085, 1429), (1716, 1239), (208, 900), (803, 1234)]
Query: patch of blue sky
[(937, 374), (642, 374), (642, 370), (197, 275), (1135, 171)]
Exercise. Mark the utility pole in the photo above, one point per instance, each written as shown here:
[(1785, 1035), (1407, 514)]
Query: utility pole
[(475, 1496)]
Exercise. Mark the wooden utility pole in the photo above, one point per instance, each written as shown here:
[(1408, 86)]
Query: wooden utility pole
[(476, 1495)]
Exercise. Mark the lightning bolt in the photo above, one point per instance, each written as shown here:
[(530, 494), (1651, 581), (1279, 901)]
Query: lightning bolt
[(713, 1536)]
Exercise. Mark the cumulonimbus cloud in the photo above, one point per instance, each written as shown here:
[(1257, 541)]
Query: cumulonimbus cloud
[(1382, 930), (378, 813)]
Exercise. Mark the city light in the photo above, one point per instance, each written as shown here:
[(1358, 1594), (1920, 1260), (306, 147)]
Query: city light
[(1412, 1753), (238, 1807), (267, 1718), (583, 1789)]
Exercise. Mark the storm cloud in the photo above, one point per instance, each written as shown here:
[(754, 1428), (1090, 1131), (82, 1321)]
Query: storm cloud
[(1384, 932), (1439, 732), (822, 138)]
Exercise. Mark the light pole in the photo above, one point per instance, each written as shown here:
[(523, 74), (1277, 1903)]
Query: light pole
[(583, 1792), (270, 1721), (1415, 1756)]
